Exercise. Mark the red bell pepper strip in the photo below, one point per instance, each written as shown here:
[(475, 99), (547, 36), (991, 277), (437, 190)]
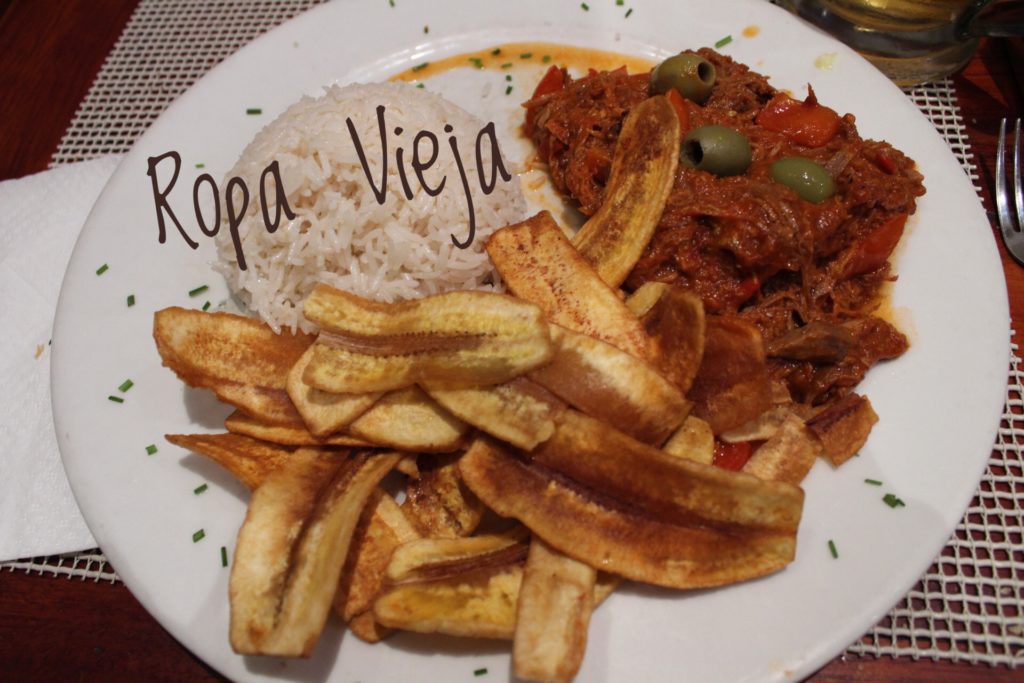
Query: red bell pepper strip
[(732, 456), (874, 249), (679, 104), (807, 123), (553, 81)]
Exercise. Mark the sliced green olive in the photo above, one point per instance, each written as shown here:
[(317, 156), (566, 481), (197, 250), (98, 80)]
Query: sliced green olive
[(803, 176), (690, 74), (716, 149)]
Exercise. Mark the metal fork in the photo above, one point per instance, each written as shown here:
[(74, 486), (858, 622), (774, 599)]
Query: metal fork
[(1013, 230)]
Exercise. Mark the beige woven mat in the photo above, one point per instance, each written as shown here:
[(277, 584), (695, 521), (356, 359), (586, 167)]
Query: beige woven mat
[(967, 607)]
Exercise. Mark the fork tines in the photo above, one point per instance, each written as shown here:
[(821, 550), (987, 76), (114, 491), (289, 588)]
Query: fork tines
[(1010, 225)]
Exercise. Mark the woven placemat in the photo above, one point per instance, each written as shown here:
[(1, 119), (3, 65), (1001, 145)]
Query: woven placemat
[(967, 607)]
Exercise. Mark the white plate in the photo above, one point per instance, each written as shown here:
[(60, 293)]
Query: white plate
[(939, 404)]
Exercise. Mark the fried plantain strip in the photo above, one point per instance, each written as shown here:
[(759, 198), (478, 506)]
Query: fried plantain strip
[(269, 406), (241, 359), (456, 339), (843, 427), (674, 320), (642, 174), (519, 412), (671, 489), (294, 434), (694, 440), (627, 539), (613, 386), (292, 546), (481, 604), (732, 385), (383, 528), (553, 614), (409, 420), (464, 586), (539, 264), (250, 460), (430, 559), (324, 413), (788, 455), (438, 503)]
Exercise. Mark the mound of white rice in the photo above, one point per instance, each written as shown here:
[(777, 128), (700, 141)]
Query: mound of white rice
[(401, 249)]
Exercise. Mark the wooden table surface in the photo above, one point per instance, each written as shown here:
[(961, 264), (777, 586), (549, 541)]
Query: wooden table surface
[(68, 629)]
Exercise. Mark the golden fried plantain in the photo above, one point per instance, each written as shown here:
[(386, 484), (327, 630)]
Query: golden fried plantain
[(843, 427), (438, 503), (241, 359), (612, 385), (324, 413), (642, 174), (250, 460), (553, 614), (539, 264), (410, 420), (294, 434), (519, 412), (674, 320), (694, 440), (463, 587), (788, 455), (457, 339), (382, 528), (292, 546), (732, 385), (673, 523)]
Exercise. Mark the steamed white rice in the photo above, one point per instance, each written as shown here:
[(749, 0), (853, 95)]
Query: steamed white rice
[(401, 249)]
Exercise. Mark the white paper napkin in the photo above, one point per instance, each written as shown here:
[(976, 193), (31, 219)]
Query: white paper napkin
[(40, 218)]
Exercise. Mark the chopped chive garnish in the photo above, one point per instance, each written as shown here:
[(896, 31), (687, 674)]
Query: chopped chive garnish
[(628, 12), (199, 489), (102, 269), (496, 51), (131, 299), (206, 306), (723, 42), (151, 449), (198, 536), (426, 29), (420, 85), (223, 556), (253, 111), (546, 58), (508, 77), (506, 65), (480, 672), (116, 399), (200, 165), (526, 55), (477, 62), (198, 290), (391, 3), (832, 549), (893, 501), (620, 3), (126, 385), (508, 90), (585, 6), (873, 482), (421, 67)]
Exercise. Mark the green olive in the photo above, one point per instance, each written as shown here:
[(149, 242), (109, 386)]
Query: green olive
[(803, 176), (690, 74), (716, 149)]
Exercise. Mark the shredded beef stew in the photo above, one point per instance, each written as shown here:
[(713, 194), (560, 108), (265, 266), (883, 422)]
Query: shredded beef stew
[(807, 275)]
